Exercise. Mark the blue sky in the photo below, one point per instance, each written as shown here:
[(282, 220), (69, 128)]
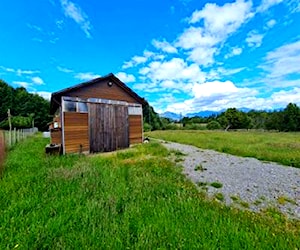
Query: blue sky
[(183, 56)]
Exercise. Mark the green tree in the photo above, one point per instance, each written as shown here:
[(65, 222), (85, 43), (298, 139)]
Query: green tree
[(291, 118), (151, 117), (234, 119)]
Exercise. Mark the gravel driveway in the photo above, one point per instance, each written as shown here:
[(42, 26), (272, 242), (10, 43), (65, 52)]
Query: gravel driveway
[(243, 182)]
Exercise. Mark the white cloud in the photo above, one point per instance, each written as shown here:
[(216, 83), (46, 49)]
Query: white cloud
[(164, 46), (235, 51), (216, 23), (214, 88), (46, 95), (22, 84), (254, 39), (266, 4), (64, 70), (86, 76), (283, 97), (226, 18), (135, 61), (125, 77), (74, 12), (283, 61), (271, 23), (19, 72), (37, 80), (175, 69), (220, 72)]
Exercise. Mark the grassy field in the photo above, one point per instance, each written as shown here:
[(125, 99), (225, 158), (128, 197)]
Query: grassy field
[(134, 199), (278, 147)]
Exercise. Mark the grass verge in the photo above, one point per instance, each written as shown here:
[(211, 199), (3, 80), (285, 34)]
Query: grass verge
[(132, 199), (277, 147)]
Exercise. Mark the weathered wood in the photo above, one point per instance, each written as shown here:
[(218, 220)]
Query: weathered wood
[(102, 90), (56, 136), (108, 127)]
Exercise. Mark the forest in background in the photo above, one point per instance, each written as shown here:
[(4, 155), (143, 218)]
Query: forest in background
[(28, 110), (285, 120)]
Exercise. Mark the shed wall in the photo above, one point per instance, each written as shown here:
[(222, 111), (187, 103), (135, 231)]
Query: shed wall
[(102, 90), (76, 135), (135, 129), (56, 136)]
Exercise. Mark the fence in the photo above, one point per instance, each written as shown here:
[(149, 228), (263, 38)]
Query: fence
[(2, 151), (14, 136)]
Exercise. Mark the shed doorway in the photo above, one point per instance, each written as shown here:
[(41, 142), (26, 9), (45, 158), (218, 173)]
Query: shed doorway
[(108, 127)]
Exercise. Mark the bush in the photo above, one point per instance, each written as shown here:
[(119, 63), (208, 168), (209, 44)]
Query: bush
[(195, 126), (147, 127), (213, 125)]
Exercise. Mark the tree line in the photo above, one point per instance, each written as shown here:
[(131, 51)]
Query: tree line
[(287, 119), (26, 109)]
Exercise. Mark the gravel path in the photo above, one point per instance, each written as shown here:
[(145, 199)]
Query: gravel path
[(246, 182)]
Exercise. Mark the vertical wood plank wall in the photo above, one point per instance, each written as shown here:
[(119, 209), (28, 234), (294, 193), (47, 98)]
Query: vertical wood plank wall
[(76, 134), (108, 127)]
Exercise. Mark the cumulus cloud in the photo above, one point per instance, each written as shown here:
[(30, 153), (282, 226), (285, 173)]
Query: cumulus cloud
[(164, 46), (86, 76), (174, 69), (215, 24), (74, 12), (124, 77)]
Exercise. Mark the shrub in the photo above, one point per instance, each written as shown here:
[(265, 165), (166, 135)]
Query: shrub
[(213, 125)]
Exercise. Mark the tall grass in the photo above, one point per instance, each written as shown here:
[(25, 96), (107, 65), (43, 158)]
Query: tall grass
[(278, 147), (133, 199)]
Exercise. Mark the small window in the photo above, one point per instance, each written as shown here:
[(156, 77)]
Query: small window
[(70, 106), (82, 107)]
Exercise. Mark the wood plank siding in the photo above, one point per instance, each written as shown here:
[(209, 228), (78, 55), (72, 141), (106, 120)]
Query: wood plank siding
[(56, 136), (76, 135), (102, 90), (108, 127), (135, 129)]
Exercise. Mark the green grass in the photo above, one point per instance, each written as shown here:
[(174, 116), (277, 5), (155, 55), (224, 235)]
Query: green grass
[(133, 199), (216, 184), (278, 147)]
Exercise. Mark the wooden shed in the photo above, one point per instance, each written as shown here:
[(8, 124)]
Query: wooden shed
[(100, 115)]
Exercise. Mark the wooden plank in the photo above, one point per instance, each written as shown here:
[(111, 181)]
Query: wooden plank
[(102, 90), (76, 132), (108, 127), (135, 129)]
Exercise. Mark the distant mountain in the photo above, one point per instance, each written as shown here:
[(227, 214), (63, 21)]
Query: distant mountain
[(204, 113), (171, 115)]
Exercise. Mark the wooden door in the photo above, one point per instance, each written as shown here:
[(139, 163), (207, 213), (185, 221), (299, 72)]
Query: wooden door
[(109, 129)]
